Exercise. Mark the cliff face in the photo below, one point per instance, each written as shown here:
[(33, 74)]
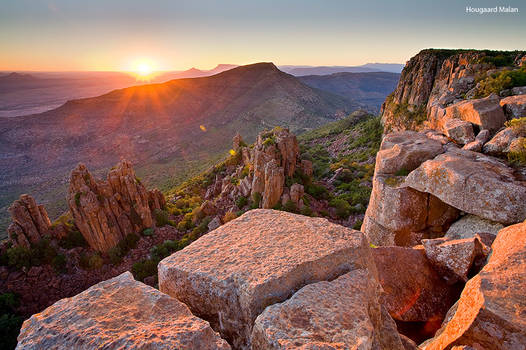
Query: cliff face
[(435, 79)]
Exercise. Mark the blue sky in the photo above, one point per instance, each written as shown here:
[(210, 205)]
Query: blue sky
[(114, 35)]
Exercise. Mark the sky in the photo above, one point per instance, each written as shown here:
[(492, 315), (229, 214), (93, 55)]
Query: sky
[(69, 35)]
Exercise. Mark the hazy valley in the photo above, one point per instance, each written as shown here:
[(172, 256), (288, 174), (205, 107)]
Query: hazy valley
[(171, 130)]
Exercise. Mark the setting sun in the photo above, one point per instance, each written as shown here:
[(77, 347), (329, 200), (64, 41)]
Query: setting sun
[(144, 69)]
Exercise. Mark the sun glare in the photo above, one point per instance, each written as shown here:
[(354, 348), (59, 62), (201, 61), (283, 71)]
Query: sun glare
[(143, 70)]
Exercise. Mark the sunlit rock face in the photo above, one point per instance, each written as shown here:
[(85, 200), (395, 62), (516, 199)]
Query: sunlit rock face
[(491, 312), (414, 291), (30, 221), (398, 214), (106, 211), (231, 274), (342, 314), (474, 183), (119, 313)]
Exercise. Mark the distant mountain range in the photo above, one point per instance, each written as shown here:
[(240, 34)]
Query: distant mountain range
[(367, 89), (326, 70)]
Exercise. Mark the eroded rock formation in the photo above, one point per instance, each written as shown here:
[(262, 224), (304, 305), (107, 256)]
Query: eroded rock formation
[(30, 221), (106, 211), (119, 313)]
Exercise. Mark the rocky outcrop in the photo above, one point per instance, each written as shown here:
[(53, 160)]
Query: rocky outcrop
[(454, 259), (460, 131), (259, 173), (231, 274), (398, 215), (491, 312), (434, 81), (342, 314), (405, 151), (514, 106), (474, 183), (30, 221), (115, 314), (106, 211), (414, 291), (484, 112), (500, 144), (274, 181)]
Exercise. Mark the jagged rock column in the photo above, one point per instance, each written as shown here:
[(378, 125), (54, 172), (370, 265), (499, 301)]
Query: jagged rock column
[(30, 221), (106, 211)]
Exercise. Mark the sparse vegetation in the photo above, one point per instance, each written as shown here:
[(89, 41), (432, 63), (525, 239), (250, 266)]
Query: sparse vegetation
[(517, 153), (496, 82), (10, 321)]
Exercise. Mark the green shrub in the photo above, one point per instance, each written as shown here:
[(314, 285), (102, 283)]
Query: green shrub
[(77, 198), (59, 263), (229, 216), (148, 232), (256, 200), (499, 81), (317, 191), (290, 206), (241, 201), (91, 261), (357, 225), (19, 257), (73, 239), (10, 322), (518, 126), (115, 255), (402, 172), (343, 208), (144, 268), (517, 153), (162, 218), (306, 210)]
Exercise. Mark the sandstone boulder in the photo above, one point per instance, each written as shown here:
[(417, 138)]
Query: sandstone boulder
[(481, 138), (485, 112), (491, 312), (296, 193), (459, 130), (474, 183), (119, 313), (30, 221), (454, 259), (399, 215), (342, 314), (405, 150), (414, 291), (514, 106), (231, 274), (470, 225), (106, 211), (500, 143)]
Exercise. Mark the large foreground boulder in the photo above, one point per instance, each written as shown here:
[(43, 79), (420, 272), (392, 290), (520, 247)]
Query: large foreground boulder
[(491, 312), (231, 274), (474, 183), (119, 313), (342, 314)]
